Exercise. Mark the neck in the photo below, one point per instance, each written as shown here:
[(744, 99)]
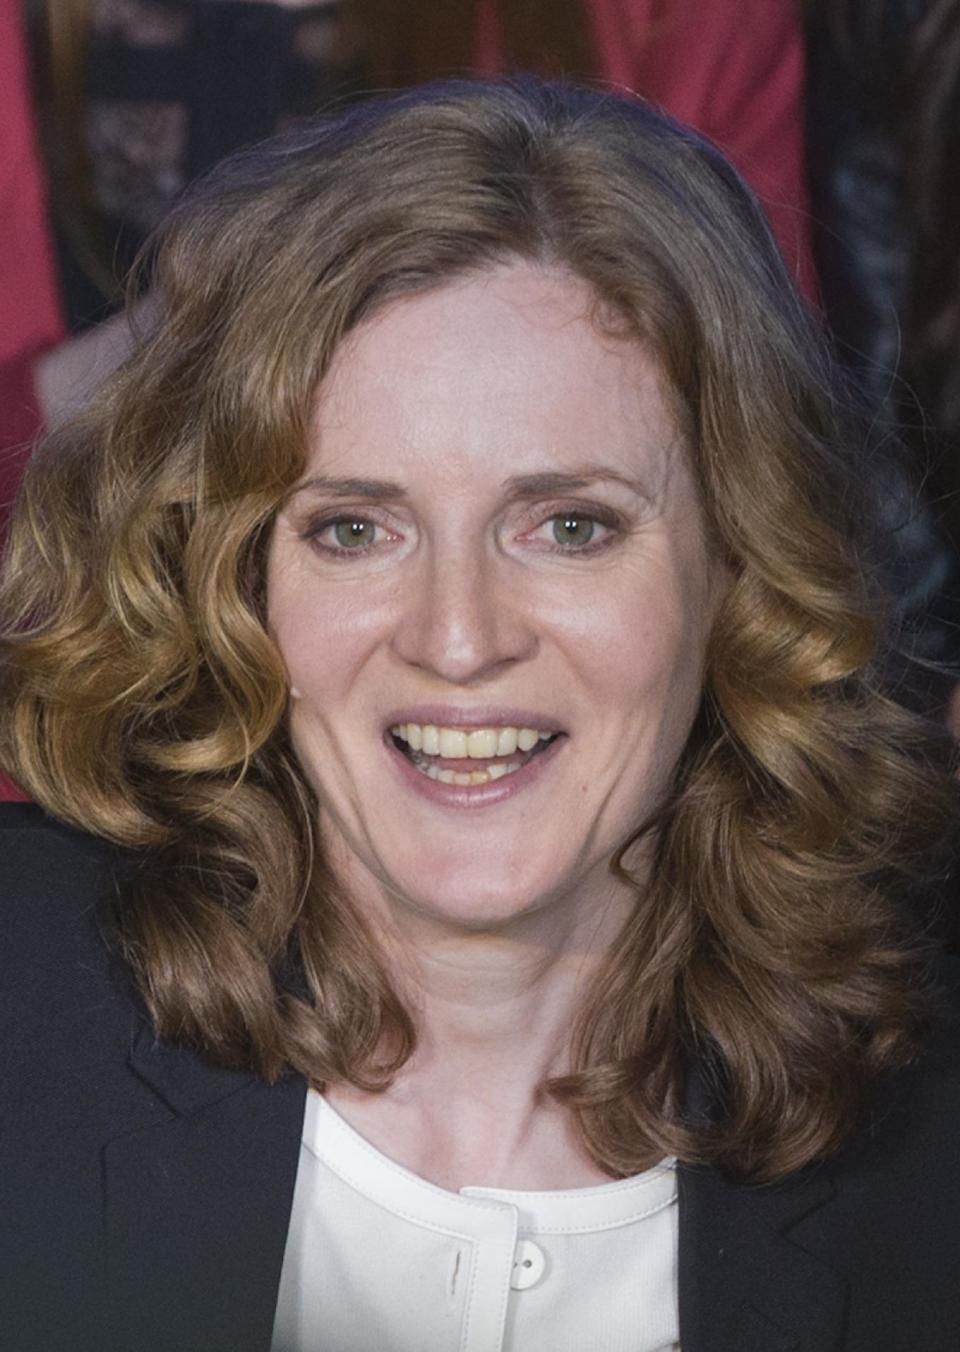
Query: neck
[(495, 1009)]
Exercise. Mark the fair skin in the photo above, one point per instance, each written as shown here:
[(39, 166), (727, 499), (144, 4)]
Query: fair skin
[(464, 599)]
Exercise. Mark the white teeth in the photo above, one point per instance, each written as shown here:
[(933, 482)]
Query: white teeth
[(453, 744), (507, 742), (457, 744), (428, 740), (481, 745)]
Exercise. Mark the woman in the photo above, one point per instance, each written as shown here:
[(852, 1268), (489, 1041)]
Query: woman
[(481, 855)]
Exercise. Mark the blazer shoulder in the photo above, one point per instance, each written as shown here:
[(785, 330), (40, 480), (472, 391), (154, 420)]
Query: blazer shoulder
[(29, 819), (53, 881), (908, 1130)]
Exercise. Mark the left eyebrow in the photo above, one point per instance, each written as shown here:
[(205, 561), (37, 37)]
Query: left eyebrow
[(549, 482)]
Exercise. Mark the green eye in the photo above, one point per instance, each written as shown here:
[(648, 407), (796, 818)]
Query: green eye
[(353, 534), (573, 530)]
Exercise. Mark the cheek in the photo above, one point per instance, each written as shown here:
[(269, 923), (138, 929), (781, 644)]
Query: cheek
[(295, 638), (322, 634), (655, 683), (318, 668), (646, 644)]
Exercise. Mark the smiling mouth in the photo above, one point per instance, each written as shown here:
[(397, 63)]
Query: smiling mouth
[(482, 756)]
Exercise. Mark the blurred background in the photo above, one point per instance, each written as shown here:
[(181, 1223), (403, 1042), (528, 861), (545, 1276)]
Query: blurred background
[(843, 115)]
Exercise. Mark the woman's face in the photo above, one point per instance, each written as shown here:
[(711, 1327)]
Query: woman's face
[(497, 531)]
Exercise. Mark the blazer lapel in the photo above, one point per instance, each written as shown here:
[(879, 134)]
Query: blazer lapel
[(197, 1208), (746, 1285)]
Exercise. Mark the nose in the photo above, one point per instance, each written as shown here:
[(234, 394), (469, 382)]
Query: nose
[(463, 619)]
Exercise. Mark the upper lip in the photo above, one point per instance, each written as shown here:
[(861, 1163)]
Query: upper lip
[(481, 716)]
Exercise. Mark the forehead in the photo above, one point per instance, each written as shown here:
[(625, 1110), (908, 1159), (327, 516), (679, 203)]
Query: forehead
[(507, 368)]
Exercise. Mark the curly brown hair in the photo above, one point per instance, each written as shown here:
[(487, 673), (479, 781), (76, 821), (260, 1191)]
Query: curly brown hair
[(780, 939)]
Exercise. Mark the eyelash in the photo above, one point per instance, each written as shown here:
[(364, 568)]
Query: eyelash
[(610, 520)]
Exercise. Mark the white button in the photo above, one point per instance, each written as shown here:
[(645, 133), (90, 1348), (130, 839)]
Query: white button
[(528, 1265)]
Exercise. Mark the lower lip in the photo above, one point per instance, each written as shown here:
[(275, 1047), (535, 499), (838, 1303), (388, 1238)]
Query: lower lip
[(472, 795)]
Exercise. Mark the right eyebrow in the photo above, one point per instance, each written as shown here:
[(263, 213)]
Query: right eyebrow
[(350, 488)]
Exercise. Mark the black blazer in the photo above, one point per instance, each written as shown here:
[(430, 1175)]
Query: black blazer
[(145, 1196)]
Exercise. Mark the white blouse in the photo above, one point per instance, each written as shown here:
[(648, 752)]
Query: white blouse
[(379, 1260)]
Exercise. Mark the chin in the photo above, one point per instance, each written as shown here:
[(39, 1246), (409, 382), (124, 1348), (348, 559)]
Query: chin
[(474, 903)]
